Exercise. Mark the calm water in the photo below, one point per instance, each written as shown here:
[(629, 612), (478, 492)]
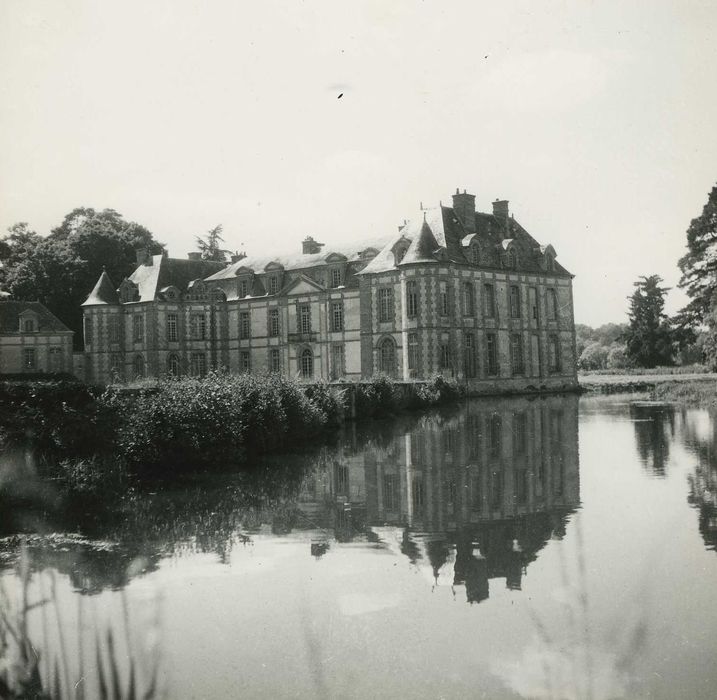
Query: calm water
[(547, 548)]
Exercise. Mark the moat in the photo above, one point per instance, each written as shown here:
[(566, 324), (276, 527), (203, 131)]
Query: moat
[(552, 547)]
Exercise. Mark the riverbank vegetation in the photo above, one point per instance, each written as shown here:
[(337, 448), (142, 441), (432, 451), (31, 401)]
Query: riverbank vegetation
[(694, 393)]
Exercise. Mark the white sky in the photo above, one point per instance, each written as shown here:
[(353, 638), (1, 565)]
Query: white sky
[(595, 119)]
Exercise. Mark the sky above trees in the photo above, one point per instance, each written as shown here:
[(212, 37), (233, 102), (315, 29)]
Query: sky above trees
[(594, 119)]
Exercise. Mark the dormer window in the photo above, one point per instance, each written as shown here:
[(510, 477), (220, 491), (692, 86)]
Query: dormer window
[(28, 325), (336, 277), (549, 263), (273, 284), (512, 259), (171, 294), (475, 254), (243, 288)]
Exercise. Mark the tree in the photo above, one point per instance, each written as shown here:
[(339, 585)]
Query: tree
[(617, 357), (649, 338), (61, 269), (209, 246), (699, 265), (594, 356)]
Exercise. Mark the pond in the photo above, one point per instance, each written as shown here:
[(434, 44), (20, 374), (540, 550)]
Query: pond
[(553, 547)]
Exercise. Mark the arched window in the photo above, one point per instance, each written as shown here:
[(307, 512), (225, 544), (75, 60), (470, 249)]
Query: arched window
[(307, 363), (138, 366), (173, 366), (387, 357)]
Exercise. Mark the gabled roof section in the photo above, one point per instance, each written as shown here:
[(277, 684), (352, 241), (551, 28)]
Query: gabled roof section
[(12, 311), (302, 284), (103, 293), (170, 272)]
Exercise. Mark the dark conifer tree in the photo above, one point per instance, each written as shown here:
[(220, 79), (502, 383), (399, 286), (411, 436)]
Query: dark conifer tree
[(649, 335)]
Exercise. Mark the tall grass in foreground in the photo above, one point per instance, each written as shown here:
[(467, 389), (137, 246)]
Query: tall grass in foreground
[(27, 672), (641, 371)]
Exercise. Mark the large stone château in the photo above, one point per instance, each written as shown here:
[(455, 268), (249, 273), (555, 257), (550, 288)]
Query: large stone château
[(457, 292)]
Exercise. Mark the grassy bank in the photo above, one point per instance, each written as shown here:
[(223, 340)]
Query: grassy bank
[(695, 393)]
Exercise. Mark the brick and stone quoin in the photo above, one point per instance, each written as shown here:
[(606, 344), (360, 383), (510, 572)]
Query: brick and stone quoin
[(455, 292)]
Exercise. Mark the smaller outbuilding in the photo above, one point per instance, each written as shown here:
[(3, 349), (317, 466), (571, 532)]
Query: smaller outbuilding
[(33, 340)]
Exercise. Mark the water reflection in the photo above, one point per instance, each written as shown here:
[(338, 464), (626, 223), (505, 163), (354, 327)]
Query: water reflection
[(654, 431)]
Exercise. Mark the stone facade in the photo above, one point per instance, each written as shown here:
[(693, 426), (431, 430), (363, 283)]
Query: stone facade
[(455, 292), (33, 340)]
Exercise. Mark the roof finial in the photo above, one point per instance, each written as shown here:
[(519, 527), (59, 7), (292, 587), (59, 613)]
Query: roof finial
[(424, 217)]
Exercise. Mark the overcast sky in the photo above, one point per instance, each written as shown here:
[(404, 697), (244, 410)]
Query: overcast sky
[(595, 119)]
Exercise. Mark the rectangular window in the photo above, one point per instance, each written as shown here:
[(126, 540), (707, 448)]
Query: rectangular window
[(304, 318), (468, 299), (28, 325), (470, 355), (390, 491), (138, 328), (172, 327), (516, 354), (412, 299), (198, 364), (273, 322), (385, 304), (445, 357), (244, 324), (274, 360), (337, 315), (116, 364), (514, 299), (273, 284), (552, 305), (413, 351), (245, 361), (417, 494), (337, 361), (243, 288), (29, 359), (198, 325), (553, 353), (491, 354), (114, 329), (336, 277), (520, 433), (55, 359), (88, 330), (494, 432), (489, 300), (533, 301), (443, 305)]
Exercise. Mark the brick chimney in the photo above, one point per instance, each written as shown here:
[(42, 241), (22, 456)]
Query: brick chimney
[(500, 208), (194, 256), (143, 256), (310, 247), (464, 207)]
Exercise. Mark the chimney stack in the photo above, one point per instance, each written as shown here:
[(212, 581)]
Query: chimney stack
[(143, 256), (236, 257), (310, 247), (464, 207), (500, 208), (194, 256)]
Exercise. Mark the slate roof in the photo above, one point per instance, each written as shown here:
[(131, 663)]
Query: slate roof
[(104, 292), (47, 322), (170, 272)]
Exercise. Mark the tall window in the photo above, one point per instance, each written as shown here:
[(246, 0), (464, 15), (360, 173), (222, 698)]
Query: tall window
[(307, 363), (470, 355), (337, 361), (114, 329), (337, 315), (413, 351), (244, 324), (489, 300), (387, 357), (516, 353), (514, 299), (245, 361), (172, 327), (533, 301), (116, 365), (512, 259), (274, 360), (198, 325), (336, 280), (138, 328), (553, 353), (173, 365), (385, 304), (56, 359), (273, 322), (273, 284), (305, 319), (468, 299), (88, 330), (445, 355), (443, 305), (243, 288), (412, 299), (29, 358), (138, 366), (475, 254), (549, 263), (28, 325), (198, 364), (552, 305), (491, 354)]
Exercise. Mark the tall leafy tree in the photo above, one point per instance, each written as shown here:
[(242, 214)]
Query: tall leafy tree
[(699, 265), (649, 337), (210, 245), (61, 269)]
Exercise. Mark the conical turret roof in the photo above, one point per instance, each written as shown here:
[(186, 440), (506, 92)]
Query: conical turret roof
[(104, 292)]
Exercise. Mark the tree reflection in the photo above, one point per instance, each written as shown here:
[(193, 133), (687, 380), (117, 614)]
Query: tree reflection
[(654, 431)]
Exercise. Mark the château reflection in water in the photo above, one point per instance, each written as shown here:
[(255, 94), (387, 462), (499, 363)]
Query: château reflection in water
[(473, 496)]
